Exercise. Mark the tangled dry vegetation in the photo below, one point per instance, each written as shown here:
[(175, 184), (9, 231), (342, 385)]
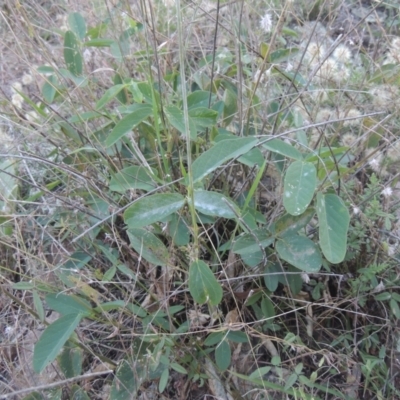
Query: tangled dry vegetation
[(141, 257)]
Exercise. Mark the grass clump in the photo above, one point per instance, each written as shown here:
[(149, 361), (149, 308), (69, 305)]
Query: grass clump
[(200, 199)]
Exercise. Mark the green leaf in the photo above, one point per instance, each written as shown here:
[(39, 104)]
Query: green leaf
[(221, 152), (267, 308), (38, 305), (283, 148), (260, 372), (252, 158), (23, 286), (203, 285), (116, 304), (77, 24), (127, 381), (223, 355), (334, 222), (199, 99), (203, 118), (176, 119), (300, 252), (68, 304), (289, 224), (126, 124), (49, 89), (394, 306), (70, 360), (72, 53), (272, 276), (134, 177), (214, 204), (53, 339), (109, 94), (148, 246), (78, 393), (99, 42), (250, 242), (230, 106), (282, 54), (383, 296), (178, 230), (33, 396), (178, 368), (152, 208), (291, 381), (238, 337), (299, 186), (162, 384)]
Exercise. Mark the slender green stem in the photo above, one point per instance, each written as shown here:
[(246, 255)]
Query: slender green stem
[(190, 184)]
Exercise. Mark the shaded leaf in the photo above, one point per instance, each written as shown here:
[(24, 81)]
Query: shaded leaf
[(203, 285), (250, 242), (70, 360), (223, 355)]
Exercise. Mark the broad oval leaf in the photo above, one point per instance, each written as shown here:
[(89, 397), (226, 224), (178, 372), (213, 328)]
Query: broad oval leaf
[(53, 339), (152, 208), (203, 285), (334, 221), (77, 24), (299, 186), (221, 152), (142, 111), (214, 204), (223, 355), (301, 252), (72, 54), (148, 246)]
